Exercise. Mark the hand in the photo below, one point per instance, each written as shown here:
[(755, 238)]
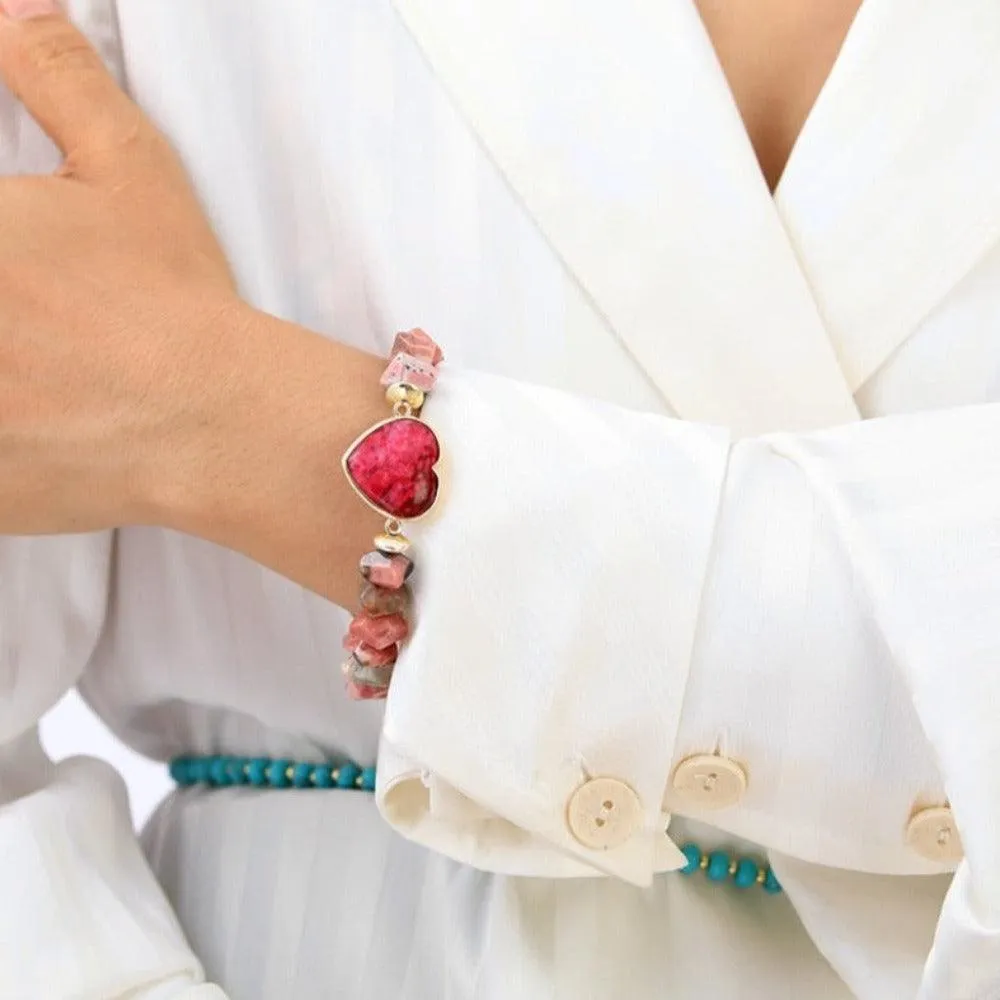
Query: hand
[(116, 300), (135, 385)]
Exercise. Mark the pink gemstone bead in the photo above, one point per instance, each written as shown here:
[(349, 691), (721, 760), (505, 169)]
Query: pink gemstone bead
[(392, 467), (372, 657), (380, 601), (361, 674), (365, 692), (419, 344), (379, 632), (413, 371), (386, 571)]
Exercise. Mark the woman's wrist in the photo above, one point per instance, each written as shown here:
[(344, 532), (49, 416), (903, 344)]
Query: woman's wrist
[(259, 471)]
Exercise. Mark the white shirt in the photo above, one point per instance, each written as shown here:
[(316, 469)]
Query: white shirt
[(569, 202)]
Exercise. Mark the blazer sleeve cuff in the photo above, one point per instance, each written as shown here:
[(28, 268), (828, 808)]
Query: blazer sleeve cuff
[(557, 592)]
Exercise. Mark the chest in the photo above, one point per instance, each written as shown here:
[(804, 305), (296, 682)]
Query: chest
[(776, 55)]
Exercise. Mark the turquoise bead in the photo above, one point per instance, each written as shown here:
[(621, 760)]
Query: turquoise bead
[(323, 776), (693, 854), (746, 873), (236, 770), (771, 884), (277, 773), (718, 866), (368, 779), (302, 775), (348, 775), (180, 770), (257, 771), (199, 769), (218, 773)]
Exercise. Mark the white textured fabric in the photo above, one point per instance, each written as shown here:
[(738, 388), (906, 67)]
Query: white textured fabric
[(604, 588)]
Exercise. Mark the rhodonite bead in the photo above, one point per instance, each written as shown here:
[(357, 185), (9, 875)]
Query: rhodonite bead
[(390, 571), (370, 676), (381, 632), (380, 601), (411, 370), (392, 467), (419, 344), (365, 692), (370, 656)]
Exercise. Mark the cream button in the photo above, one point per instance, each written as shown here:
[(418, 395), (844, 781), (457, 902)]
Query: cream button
[(932, 834), (708, 781), (603, 813)]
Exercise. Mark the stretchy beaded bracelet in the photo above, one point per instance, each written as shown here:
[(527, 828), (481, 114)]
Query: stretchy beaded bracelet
[(217, 771), (391, 467)]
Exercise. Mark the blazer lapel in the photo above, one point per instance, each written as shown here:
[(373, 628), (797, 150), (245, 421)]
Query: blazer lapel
[(892, 194), (618, 132)]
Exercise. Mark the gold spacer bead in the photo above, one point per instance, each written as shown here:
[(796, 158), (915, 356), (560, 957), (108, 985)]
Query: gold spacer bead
[(703, 863), (732, 867), (401, 392), (289, 772), (762, 876), (335, 774), (358, 781), (392, 544)]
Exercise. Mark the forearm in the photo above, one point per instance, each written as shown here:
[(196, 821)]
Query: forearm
[(260, 472)]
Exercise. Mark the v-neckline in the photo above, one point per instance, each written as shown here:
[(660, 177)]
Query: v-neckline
[(755, 310), (674, 243), (857, 28)]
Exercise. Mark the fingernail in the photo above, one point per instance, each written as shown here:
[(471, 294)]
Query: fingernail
[(23, 9)]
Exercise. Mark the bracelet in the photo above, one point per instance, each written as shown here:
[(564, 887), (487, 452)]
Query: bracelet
[(391, 467)]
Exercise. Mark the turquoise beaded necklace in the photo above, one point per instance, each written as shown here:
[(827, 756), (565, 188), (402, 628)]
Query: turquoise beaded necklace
[(268, 772)]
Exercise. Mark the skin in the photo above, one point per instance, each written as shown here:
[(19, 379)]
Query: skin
[(137, 387), (776, 55)]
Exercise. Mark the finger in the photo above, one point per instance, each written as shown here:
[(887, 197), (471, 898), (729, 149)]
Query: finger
[(55, 71)]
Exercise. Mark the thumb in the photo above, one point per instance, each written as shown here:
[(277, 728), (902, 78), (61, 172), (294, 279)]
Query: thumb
[(54, 70)]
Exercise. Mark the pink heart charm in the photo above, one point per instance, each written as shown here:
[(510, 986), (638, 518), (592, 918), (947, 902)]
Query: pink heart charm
[(392, 467)]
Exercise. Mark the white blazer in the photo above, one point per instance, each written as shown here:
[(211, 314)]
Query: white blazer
[(719, 538)]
